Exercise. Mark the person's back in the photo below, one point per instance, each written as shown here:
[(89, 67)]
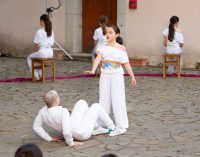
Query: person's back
[(173, 46), (53, 116), (43, 40), (99, 36), (173, 38)]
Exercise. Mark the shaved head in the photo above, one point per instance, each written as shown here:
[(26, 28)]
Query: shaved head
[(51, 97)]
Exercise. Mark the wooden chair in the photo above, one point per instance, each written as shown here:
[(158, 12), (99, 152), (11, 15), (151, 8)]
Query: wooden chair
[(171, 59), (43, 64)]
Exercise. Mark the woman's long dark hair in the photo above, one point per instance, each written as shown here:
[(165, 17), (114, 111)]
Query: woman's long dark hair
[(47, 23), (173, 21), (119, 39), (103, 20), (28, 150)]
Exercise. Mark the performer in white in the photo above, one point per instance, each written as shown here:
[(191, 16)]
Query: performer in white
[(80, 125), (173, 39), (100, 35), (43, 42), (112, 90)]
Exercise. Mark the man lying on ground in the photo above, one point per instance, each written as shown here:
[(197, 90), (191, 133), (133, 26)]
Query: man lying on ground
[(79, 125)]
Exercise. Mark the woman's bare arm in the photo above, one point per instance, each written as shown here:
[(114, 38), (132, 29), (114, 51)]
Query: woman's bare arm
[(164, 41)]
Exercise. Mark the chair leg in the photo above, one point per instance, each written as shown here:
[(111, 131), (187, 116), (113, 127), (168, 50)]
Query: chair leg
[(43, 72), (164, 70), (179, 68), (54, 71), (33, 69)]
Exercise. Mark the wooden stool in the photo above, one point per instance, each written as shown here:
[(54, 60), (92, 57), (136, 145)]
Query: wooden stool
[(171, 59), (43, 64)]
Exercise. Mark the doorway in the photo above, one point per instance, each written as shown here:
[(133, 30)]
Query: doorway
[(91, 11)]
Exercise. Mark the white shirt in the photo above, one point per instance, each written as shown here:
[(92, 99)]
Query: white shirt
[(57, 118), (174, 46), (115, 55), (101, 39), (42, 39)]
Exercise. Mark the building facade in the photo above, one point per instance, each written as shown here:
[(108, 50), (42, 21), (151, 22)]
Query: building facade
[(76, 20)]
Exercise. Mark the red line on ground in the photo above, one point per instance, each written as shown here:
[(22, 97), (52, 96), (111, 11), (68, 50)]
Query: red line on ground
[(86, 76)]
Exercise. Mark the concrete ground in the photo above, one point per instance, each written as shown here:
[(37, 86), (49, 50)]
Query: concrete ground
[(164, 115)]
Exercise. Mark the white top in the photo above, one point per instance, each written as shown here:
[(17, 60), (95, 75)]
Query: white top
[(174, 46), (57, 118), (43, 40), (101, 39), (115, 55)]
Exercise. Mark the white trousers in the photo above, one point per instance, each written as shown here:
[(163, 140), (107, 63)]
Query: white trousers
[(42, 53), (84, 119), (112, 92)]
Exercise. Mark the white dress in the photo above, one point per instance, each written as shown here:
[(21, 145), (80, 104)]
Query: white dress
[(45, 48)]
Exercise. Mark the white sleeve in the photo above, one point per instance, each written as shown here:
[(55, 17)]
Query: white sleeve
[(38, 37), (66, 127), (165, 32), (96, 35), (100, 50), (37, 127), (125, 58)]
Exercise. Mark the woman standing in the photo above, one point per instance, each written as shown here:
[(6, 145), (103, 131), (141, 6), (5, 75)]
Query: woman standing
[(173, 39), (43, 42), (111, 86)]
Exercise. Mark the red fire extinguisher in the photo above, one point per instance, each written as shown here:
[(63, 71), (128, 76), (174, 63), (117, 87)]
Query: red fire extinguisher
[(132, 4)]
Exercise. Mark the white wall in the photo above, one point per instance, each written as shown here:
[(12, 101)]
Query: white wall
[(144, 27), (141, 28), (20, 20)]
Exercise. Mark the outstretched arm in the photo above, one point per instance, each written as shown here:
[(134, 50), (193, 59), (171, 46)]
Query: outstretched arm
[(95, 64)]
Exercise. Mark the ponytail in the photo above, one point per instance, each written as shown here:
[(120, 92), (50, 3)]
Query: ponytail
[(119, 40), (173, 21), (48, 28), (103, 20), (171, 32), (47, 23), (103, 26)]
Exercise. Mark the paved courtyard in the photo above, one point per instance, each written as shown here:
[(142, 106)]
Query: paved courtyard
[(164, 115)]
